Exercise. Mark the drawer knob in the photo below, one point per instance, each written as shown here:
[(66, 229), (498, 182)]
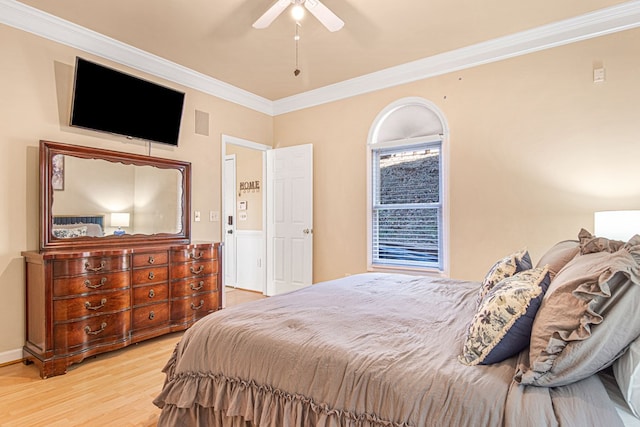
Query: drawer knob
[(88, 305), (152, 315), (152, 293), (102, 282), (151, 260), (88, 267), (198, 287), (88, 331), (194, 256), (151, 275), (198, 270), (197, 307)]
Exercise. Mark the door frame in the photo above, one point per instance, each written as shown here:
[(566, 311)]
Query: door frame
[(224, 225), (227, 139)]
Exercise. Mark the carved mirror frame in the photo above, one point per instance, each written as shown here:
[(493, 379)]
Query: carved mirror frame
[(49, 149)]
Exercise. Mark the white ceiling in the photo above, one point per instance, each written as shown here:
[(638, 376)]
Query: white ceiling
[(215, 37)]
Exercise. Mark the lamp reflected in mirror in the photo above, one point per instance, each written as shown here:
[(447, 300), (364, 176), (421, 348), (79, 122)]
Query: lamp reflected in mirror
[(120, 219)]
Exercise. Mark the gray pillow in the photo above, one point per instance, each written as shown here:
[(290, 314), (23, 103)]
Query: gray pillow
[(590, 243), (586, 319), (559, 255)]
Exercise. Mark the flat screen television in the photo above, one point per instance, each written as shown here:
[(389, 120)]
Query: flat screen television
[(110, 101)]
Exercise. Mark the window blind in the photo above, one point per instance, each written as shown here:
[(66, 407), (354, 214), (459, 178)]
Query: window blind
[(407, 211)]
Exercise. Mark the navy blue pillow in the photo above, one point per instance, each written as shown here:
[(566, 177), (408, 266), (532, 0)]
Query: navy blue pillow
[(523, 263), (502, 325)]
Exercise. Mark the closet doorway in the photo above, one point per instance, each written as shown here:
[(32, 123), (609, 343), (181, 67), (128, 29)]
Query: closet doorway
[(244, 214)]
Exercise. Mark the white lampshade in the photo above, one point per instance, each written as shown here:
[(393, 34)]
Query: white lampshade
[(120, 219), (617, 225)]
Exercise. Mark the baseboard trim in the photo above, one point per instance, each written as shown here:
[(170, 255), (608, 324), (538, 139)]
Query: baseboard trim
[(10, 357)]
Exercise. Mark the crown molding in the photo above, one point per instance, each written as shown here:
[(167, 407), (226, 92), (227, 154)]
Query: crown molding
[(601, 22), (32, 20), (604, 21)]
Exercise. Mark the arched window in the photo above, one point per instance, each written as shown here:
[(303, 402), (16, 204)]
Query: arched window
[(406, 187)]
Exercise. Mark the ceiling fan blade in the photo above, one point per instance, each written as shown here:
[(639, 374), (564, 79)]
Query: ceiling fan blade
[(324, 15), (270, 15)]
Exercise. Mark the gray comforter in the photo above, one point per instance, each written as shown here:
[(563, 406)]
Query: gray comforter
[(367, 350)]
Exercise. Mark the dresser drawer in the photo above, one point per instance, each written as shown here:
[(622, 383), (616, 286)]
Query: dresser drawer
[(150, 294), (194, 307), (191, 269), (143, 276), (89, 265), (151, 315), (150, 258), (191, 286), (107, 328), (90, 305), (92, 283), (193, 254)]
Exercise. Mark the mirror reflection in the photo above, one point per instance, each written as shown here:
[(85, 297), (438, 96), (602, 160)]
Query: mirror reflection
[(95, 198)]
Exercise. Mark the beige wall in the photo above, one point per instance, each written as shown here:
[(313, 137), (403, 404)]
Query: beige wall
[(157, 198), (36, 78), (84, 179), (535, 148)]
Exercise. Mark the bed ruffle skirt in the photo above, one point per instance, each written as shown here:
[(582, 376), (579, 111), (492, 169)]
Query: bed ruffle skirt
[(190, 399)]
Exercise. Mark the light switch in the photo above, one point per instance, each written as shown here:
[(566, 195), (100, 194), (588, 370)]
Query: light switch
[(214, 216), (196, 216), (598, 75)]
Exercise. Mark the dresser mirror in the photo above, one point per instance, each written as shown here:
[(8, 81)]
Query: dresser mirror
[(93, 198)]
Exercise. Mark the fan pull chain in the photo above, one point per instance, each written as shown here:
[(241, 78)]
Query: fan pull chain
[(296, 72)]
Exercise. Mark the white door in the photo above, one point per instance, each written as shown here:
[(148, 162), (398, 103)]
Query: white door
[(289, 218), (229, 221)]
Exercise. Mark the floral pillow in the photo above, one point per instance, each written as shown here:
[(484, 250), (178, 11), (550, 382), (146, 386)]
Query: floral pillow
[(65, 233), (502, 325), (506, 267)]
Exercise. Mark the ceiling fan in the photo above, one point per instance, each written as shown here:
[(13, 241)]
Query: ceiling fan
[(317, 9)]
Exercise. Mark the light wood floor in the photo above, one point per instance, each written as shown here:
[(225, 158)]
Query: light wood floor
[(112, 389)]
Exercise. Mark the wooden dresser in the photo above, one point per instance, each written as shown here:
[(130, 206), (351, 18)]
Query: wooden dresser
[(194, 284), (85, 302)]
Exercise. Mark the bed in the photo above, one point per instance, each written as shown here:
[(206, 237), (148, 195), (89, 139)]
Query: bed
[(397, 350), (67, 226)]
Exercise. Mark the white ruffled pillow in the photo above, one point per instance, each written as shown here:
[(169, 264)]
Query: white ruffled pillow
[(627, 372)]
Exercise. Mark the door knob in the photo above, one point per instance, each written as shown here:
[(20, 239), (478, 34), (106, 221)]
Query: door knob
[(229, 231)]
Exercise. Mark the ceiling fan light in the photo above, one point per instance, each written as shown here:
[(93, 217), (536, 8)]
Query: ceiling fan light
[(297, 12)]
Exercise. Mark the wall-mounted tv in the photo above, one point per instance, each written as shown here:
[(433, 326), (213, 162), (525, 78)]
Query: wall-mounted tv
[(108, 100)]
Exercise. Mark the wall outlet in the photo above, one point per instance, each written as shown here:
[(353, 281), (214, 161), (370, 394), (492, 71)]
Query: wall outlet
[(196, 216)]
